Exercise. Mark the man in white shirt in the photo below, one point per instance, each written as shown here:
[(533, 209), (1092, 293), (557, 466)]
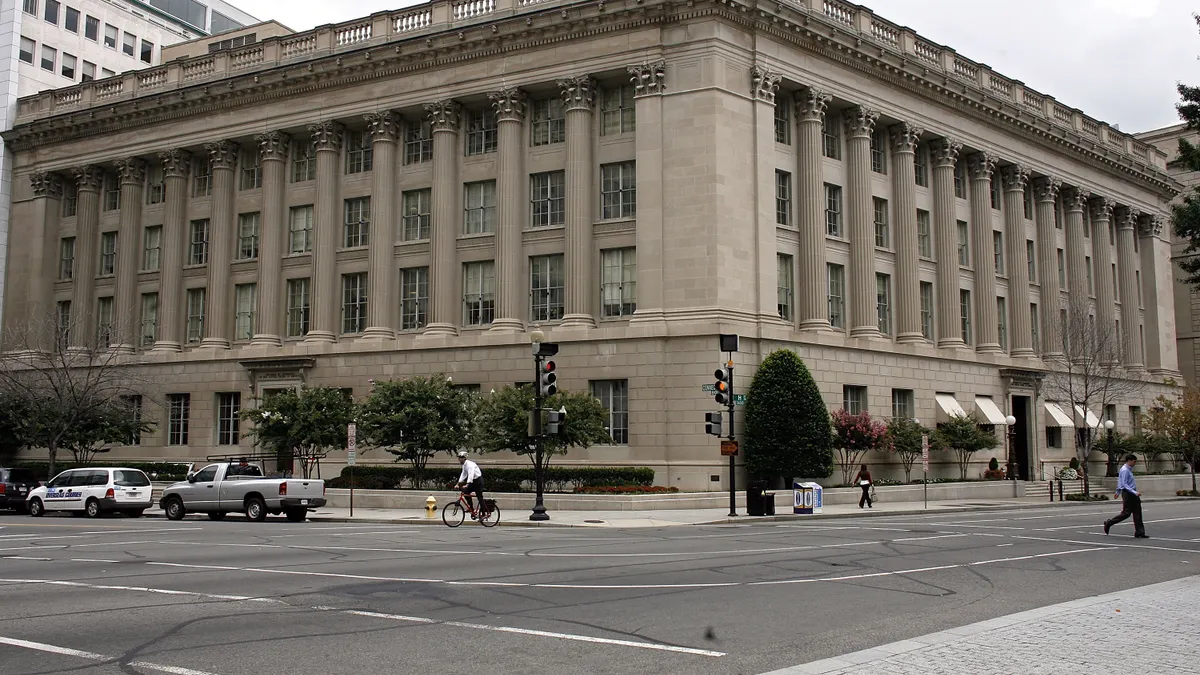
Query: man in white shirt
[(470, 480)]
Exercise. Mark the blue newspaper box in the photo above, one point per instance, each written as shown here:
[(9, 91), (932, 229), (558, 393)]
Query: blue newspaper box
[(806, 498)]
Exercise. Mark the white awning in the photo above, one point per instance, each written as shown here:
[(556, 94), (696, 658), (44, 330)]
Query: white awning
[(1056, 417), (989, 413), (948, 407), (1090, 419)]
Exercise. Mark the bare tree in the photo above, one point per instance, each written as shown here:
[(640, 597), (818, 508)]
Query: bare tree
[(1088, 375)]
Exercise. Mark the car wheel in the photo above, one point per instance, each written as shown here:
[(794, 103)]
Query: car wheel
[(134, 513), (174, 509), (36, 509), (297, 515), (92, 508), (256, 510), (216, 515)]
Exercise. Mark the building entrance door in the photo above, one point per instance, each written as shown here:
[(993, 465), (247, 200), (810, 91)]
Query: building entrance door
[(1021, 434)]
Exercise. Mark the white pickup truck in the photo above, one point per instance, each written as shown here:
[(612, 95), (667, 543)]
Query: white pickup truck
[(221, 488)]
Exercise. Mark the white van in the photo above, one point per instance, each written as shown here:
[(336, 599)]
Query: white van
[(93, 492)]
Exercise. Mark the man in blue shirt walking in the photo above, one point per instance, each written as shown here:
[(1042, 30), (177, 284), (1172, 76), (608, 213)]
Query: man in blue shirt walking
[(1131, 500)]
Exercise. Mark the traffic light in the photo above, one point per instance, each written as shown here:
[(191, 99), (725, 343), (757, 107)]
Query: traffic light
[(723, 386), (556, 421), (547, 380), (712, 423)]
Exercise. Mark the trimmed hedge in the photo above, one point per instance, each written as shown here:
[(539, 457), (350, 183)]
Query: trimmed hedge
[(627, 490), (558, 478), (158, 471)]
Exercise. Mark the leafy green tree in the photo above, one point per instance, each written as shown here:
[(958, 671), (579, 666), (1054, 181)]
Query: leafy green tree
[(99, 429), (905, 437), (302, 425), (854, 436), (962, 434), (416, 418), (14, 426), (1178, 422), (502, 423), (1185, 215), (786, 425)]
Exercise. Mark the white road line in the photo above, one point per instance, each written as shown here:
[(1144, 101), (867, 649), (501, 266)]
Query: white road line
[(1089, 543), (1171, 520), (123, 531), (333, 575), (91, 656), (94, 560), (940, 536), (59, 547), (21, 557), (140, 589)]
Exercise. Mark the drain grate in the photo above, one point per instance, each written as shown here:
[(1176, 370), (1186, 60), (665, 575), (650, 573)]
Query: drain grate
[(598, 522)]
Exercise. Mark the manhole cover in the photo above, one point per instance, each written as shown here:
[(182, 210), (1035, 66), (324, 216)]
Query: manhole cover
[(594, 521)]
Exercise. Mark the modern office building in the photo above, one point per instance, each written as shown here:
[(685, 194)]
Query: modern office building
[(413, 192)]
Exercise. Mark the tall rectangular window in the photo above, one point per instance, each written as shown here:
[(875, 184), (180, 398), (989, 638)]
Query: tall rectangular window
[(783, 198), (618, 282), (112, 192), (1115, 285), (68, 66), (1002, 322), (547, 198), (479, 293), (66, 258), (62, 324), (251, 175), (854, 399), (156, 184), (548, 122), (360, 156), (202, 178), (1135, 418), (149, 318), (414, 297), (104, 321), (964, 315), (30, 6), (417, 214), (245, 300), (921, 166), (147, 51), (248, 227), (833, 210), (418, 142), (49, 56), (72, 21), (960, 180), (546, 287), (614, 396), (964, 245), (357, 222), (1034, 333), (128, 44), (1062, 270), (304, 161), (110, 36), (903, 404), (91, 28), (836, 291), (618, 191), (179, 413), (1090, 279), (481, 131), (1027, 202), (783, 120), (879, 151), (108, 254), (151, 248), (927, 310), (300, 224), (479, 207), (785, 287), (998, 252), (617, 111), (198, 242), (994, 191), (51, 15), (924, 235), (229, 411), (354, 303), (27, 48), (195, 315), (882, 235), (831, 137), (1031, 260), (297, 307), (89, 72), (883, 303)]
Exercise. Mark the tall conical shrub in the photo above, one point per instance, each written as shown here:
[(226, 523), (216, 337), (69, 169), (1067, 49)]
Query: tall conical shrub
[(787, 428)]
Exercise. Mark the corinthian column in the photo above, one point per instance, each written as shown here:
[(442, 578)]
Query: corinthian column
[(944, 154), (176, 165), (578, 98), (810, 187), (1106, 310), (1127, 272), (860, 123), (1074, 201), (1015, 178), (43, 235), (89, 180), (511, 187), (384, 128), (273, 147), (1045, 194), (980, 166), (446, 215), (327, 139), (224, 156), (131, 172), (905, 138)]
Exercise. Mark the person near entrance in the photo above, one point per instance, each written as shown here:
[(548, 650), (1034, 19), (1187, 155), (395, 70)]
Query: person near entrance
[(1131, 500), (865, 482)]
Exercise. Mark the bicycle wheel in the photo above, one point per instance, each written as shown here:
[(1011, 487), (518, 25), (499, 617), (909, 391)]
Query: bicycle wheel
[(453, 514), (492, 519)]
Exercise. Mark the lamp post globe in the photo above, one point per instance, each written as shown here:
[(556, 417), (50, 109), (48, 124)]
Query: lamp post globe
[(1010, 420), (1109, 424)]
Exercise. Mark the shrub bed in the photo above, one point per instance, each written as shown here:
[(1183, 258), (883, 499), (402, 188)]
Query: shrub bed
[(558, 478), (1187, 493), (158, 471), (626, 490), (1080, 497)]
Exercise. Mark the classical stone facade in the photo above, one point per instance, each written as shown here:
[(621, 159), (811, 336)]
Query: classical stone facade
[(412, 192)]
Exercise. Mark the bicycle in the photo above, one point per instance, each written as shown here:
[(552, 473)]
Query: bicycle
[(455, 513)]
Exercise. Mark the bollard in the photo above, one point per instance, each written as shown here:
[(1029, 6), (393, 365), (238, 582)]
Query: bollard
[(1051, 486), (1060, 491), (430, 507)]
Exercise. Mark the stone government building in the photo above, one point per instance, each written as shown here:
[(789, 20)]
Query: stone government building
[(411, 192)]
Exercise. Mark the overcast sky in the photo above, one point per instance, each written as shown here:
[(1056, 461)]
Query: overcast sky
[(1117, 60)]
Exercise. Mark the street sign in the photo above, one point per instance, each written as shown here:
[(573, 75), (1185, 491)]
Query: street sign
[(739, 399), (729, 448), (925, 452), (352, 444), (708, 388)]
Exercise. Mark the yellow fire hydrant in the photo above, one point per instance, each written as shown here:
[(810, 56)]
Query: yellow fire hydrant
[(430, 507)]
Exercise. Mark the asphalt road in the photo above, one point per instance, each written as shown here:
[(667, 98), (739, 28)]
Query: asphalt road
[(196, 597)]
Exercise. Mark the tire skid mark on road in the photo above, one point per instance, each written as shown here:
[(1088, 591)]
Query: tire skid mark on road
[(92, 656), (1092, 543)]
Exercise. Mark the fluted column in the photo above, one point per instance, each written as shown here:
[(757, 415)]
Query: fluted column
[(1020, 339), (89, 181), (511, 196), (1074, 201), (905, 137), (943, 154), (43, 237), (980, 166), (860, 123), (384, 128), (810, 191), (273, 147), (1106, 309), (579, 95), (218, 310), (327, 226), (176, 165), (1045, 194), (446, 215), (131, 172), (1127, 274)]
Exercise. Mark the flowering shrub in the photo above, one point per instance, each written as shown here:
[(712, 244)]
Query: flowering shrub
[(854, 436), (626, 490)]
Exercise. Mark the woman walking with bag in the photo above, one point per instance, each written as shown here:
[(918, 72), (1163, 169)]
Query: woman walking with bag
[(865, 482)]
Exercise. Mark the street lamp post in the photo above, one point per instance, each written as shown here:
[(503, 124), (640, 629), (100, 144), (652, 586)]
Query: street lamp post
[(1112, 460), (1010, 422), (541, 380)]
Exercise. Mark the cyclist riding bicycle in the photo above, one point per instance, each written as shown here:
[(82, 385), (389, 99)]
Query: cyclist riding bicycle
[(470, 480)]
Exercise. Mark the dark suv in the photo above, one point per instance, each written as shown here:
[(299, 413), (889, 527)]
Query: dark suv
[(15, 485)]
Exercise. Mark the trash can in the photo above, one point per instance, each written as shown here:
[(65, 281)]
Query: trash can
[(768, 503), (806, 498), (754, 499)]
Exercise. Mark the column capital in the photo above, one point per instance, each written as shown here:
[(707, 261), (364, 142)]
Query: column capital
[(1075, 199), (1152, 224), (509, 104), (579, 92), (764, 84), (327, 135), (980, 165), (131, 170), (905, 136), (383, 126), (176, 162), (46, 184), (860, 120), (1102, 208), (88, 177), (1127, 217), (273, 145), (222, 154), (811, 104), (944, 151), (1015, 177), (1046, 188), (444, 114), (648, 78)]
